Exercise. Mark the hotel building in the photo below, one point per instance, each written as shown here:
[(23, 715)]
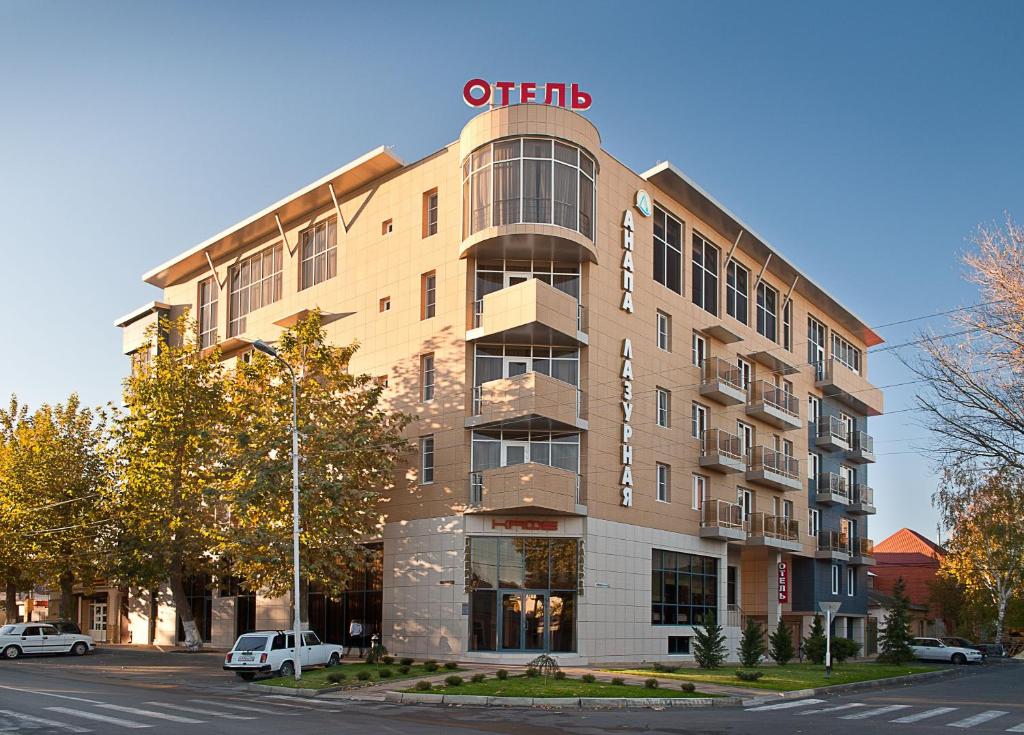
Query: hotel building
[(634, 413)]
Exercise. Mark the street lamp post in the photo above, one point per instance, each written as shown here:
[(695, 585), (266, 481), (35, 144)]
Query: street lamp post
[(297, 627)]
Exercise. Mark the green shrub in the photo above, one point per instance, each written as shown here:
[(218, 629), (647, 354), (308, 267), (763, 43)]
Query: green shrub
[(588, 678), (363, 676), (406, 661), (814, 644), (385, 673), (477, 678), (844, 648), (559, 674), (430, 661), (780, 644), (430, 666), (751, 644), (665, 668), (451, 665), (453, 681), (501, 674), (618, 681), (651, 683), (748, 675), (336, 677), (688, 686), (532, 673), (709, 645), (387, 660), (424, 686), (404, 669)]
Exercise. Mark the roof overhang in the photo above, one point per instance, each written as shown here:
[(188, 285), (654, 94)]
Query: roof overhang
[(144, 310), (348, 179), (680, 187)]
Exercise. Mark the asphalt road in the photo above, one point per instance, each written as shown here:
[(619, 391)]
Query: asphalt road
[(124, 690)]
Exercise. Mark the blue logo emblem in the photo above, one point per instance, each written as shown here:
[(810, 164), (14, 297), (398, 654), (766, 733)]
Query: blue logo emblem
[(643, 202)]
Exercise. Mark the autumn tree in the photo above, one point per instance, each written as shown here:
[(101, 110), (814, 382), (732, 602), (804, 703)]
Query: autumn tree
[(349, 446), (985, 552), (19, 544), (167, 467)]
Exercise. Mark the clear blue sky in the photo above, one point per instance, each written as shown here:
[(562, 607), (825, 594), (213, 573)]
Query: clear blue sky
[(865, 140)]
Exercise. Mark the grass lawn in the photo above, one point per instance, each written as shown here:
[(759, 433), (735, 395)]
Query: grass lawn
[(523, 686), (792, 676), (317, 678)]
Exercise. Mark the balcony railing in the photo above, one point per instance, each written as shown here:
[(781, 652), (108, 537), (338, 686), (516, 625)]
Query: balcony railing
[(761, 391), (478, 315), (716, 441), (776, 527), (770, 460), (863, 441), (833, 484), (478, 396), (721, 514), (865, 547), (833, 429), (863, 494), (834, 541), (476, 484), (714, 369)]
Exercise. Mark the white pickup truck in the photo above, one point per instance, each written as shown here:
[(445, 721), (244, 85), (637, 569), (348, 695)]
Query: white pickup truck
[(273, 652)]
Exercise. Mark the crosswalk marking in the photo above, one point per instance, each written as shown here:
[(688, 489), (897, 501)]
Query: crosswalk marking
[(1016, 728), (151, 713), (317, 702), (918, 716), (42, 721), (201, 711), (876, 711), (244, 707), (99, 718), (786, 705), (831, 709), (979, 718)]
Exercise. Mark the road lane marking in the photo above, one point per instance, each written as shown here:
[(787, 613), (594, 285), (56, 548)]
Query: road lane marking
[(917, 717), (201, 711), (786, 705), (1016, 728), (43, 721), (50, 694), (876, 711), (831, 709), (99, 718), (245, 707), (979, 718), (151, 713)]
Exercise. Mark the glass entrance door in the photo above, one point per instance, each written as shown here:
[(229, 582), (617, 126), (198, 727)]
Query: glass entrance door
[(524, 617)]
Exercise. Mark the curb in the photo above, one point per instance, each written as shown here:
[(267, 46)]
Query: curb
[(290, 691), (559, 702), (854, 686)]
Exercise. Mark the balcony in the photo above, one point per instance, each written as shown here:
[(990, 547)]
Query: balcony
[(862, 448), (720, 381), (832, 489), (833, 546), (776, 532), (773, 469), (774, 406), (526, 488), (531, 312), (722, 521), (840, 382), (722, 451), (862, 502), (863, 553), (832, 434), (527, 401)]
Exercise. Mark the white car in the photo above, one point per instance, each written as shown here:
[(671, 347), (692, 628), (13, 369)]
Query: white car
[(273, 652), (932, 649), (19, 639)]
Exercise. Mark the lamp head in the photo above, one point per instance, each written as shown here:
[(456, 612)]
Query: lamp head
[(263, 347)]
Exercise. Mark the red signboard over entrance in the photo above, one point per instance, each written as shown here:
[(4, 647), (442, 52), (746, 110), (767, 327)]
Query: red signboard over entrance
[(783, 582), (525, 524)]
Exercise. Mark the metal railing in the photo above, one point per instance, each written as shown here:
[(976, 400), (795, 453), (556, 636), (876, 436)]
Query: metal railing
[(772, 526), (716, 441), (832, 426), (830, 482), (863, 494), (770, 460), (476, 488), (721, 514), (833, 541), (864, 547), (734, 615), (761, 391), (478, 313), (581, 318), (863, 441), (715, 368)]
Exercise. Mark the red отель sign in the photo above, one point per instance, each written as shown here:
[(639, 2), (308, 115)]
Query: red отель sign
[(783, 582), (525, 525), (479, 92)]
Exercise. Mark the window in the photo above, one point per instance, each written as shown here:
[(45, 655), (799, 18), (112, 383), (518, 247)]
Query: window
[(505, 448), (851, 581), (848, 426), (427, 377), (746, 372), (253, 283), (426, 459), (207, 300), (816, 344), (745, 500), (684, 588), (385, 304), (835, 579), (787, 509), (848, 476), (737, 279), (787, 448), (813, 465), (430, 213), (678, 645), (705, 274), (663, 482), (387, 227), (746, 434), (813, 409), (528, 180), (845, 353), (700, 349), (700, 491), (428, 295), (813, 521), (664, 407), (731, 585), (787, 325), (767, 298), (699, 416), (494, 362), (664, 327), (318, 246), (668, 250)]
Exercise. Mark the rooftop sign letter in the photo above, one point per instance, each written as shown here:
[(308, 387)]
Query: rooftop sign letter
[(479, 92)]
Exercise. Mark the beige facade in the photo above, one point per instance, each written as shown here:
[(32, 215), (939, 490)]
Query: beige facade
[(386, 250)]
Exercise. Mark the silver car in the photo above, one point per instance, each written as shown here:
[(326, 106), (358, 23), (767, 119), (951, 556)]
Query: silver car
[(933, 649), (18, 639)]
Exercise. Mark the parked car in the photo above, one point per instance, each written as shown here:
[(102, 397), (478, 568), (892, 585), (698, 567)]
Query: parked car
[(933, 649), (65, 626), (964, 643), (992, 650), (19, 639), (273, 652)]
